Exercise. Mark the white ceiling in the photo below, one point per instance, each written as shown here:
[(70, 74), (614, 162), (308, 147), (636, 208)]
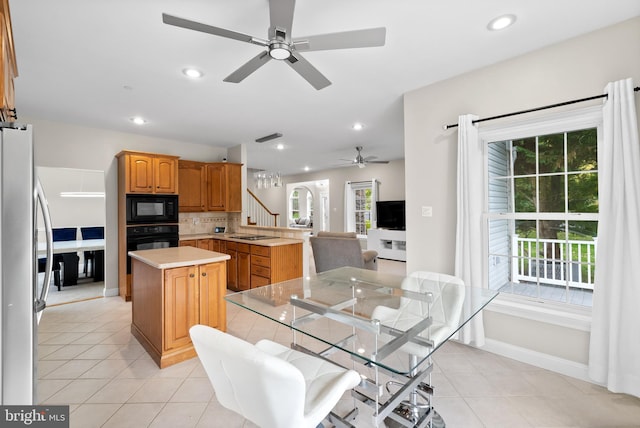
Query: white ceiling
[(99, 63)]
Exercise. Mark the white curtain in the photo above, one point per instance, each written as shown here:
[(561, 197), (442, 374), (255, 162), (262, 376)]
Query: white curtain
[(349, 206), (470, 263), (614, 354)]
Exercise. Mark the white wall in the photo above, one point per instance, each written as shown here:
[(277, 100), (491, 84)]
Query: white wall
[(73, 146), (392, 187), (576, 68)]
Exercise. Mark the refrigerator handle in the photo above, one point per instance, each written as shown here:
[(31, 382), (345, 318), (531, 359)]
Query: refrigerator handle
[(41, 301)]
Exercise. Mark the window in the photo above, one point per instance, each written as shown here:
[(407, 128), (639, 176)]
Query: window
[(542, 209), (360, 202), (294, 202)]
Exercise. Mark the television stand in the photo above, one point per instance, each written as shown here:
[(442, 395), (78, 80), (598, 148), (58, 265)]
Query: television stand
[(390, 244)]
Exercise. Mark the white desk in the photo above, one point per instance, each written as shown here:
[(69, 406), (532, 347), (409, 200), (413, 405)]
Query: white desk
[(71, 271), (60, 247)]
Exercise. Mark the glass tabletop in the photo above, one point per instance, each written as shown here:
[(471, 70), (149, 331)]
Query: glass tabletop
[(391, 321)]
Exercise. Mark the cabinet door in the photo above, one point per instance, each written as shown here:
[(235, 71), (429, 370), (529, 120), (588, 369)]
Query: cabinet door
[(232, 268), (212, 291), (140, 174), (165, 170), (244, 270), (216, 185), (180, 305), (234, 187), (216, 245), (192, 177), (205, 244)]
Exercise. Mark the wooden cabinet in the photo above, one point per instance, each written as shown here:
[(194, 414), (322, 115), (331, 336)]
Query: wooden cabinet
[(193, 186), (148, 172), (8, 65), (231, 248), (224, 187), (275, 264), (244, 267), (188, 243), (181, 305), (167, 302)]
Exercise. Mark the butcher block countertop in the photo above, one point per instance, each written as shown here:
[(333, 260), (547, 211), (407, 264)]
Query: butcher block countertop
[(272, 241), (167, 258)]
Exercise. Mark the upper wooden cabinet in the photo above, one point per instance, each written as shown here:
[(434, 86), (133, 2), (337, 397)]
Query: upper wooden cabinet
[(148, 172), (8, 65), (193, 186), (224, 187)]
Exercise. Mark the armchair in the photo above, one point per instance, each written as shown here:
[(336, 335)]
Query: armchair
[(332, 250), (270, 384)]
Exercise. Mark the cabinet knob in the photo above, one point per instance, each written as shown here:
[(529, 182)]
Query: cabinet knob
[(204, 274), (191, 275)]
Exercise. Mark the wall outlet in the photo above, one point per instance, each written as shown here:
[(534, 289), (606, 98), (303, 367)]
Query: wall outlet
[(427, 211)]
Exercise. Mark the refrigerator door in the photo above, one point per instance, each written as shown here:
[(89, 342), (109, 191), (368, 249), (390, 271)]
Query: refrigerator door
[(17, 267)]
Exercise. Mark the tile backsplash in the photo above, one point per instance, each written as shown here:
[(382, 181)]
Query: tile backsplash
[(206, 222)]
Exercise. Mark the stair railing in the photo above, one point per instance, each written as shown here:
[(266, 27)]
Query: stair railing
[(258, 214)]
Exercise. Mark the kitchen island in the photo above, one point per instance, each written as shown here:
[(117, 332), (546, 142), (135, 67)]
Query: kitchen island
[(173, 289)]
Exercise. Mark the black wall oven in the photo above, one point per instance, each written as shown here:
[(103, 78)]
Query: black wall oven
[(152, 209), (150, 236)]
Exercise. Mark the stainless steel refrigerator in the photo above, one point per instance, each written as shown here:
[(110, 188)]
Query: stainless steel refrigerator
[(22, 297)]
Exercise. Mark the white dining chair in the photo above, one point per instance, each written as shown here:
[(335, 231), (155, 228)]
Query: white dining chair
[(270, 384), (445, 307)]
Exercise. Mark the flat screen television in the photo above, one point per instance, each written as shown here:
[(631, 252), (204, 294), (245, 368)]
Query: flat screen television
[(391, 215)]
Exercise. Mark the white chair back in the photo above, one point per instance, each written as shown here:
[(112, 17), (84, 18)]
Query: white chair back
[(266, 390)]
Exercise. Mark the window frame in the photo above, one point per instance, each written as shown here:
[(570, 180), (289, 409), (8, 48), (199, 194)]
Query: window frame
[(560, 313)]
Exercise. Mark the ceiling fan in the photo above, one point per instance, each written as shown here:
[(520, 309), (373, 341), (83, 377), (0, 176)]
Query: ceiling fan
[(361, 161), (281, 46)]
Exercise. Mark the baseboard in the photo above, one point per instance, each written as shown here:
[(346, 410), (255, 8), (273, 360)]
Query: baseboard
[(538, 359)]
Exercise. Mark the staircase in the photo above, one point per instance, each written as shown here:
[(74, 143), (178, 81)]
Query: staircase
[(258, 214)]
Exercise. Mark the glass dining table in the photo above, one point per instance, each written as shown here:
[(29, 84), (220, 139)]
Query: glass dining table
[(384, 326)]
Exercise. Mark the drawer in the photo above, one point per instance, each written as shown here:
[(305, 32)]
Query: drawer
[(261, 251), (232, 245), (259, 281), (260, 270), (261, 261), (188, 243), (243, 248)]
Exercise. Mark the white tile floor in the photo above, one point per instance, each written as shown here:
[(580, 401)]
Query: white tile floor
[(89, 360)]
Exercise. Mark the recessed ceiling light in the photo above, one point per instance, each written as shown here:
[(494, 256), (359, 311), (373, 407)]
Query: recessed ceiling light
[(306, 168), (357, 126), (138, 120), (501, 22), (192, 73), (280, 146)]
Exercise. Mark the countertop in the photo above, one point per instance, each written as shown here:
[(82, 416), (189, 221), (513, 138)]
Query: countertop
[(172, 257), (271, 242)]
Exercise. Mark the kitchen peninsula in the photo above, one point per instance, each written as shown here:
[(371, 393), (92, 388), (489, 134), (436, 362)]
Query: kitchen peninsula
[(255, 259), (173, 289)]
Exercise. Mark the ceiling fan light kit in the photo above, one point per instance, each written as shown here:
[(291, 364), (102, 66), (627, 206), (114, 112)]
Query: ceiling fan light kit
[(281, 46)]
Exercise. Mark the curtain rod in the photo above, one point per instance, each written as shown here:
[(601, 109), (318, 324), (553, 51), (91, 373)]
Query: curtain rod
[(445, 127)]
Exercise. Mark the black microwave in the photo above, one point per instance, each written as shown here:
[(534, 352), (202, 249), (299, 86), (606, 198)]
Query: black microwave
[(151, 209)]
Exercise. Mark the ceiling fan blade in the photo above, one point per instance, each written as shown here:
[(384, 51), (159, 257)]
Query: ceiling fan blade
[(216, 31), (249, 67), (377, 161), (307, 71), (370, 37), (370, 158), (281, 16)]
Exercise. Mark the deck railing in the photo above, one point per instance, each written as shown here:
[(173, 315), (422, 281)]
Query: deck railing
[(554, 261)]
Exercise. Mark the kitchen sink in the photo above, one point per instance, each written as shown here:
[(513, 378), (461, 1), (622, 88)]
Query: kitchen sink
[(252, 237)]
